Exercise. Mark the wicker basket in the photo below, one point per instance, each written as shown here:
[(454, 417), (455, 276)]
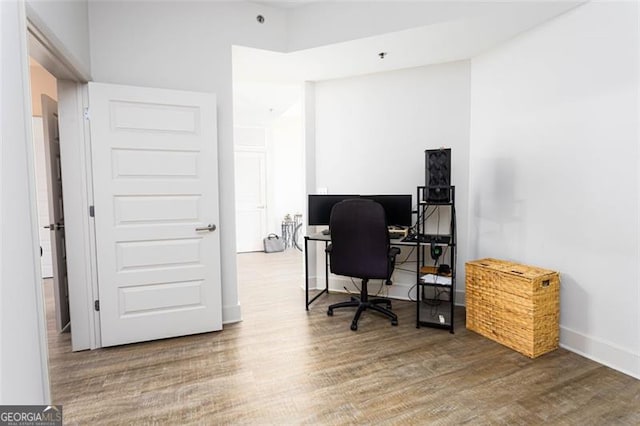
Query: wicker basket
[(515, 305)]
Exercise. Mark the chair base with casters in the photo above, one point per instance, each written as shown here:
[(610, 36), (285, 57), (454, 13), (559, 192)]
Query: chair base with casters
[(363, 303)]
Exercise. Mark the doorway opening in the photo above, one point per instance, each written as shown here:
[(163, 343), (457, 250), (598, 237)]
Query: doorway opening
[(270, 178), (269, 161), (50, 205)]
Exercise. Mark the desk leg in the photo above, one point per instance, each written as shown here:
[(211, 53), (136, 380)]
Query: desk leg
[(306, 274), (418, 286), (307, 300), (326, 267)]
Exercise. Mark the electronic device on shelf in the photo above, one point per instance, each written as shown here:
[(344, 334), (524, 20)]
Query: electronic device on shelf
[(396, 232), (427, 238), (437, 175)]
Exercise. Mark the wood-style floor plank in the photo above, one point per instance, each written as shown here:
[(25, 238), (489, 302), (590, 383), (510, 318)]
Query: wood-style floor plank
[(284, 365)]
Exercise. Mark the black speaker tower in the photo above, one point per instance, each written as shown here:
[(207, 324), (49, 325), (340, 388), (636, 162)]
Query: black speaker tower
[(438, 175)]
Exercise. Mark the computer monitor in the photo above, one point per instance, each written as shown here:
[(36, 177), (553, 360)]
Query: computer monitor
[(397, 207), (320, 207)]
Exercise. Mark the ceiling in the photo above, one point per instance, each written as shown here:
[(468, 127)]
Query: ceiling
[(264, 77), (285, 4), (456, 39)]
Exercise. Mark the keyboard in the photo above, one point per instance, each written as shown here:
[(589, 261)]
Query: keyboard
[(427, 238)]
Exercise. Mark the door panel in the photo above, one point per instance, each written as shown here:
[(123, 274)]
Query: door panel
[(251, 220), (166, 209), (56, 211), (155, 181)]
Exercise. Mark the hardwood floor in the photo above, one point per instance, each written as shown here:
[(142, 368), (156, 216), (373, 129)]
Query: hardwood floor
[(283, 365)]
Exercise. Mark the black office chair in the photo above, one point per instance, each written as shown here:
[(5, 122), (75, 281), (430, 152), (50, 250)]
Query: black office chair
[(360, 248)]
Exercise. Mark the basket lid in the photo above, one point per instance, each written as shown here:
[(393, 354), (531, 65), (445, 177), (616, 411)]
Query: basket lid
[(516, 269)]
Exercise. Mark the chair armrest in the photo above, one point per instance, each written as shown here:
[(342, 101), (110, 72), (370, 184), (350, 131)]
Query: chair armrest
[(393, 252)]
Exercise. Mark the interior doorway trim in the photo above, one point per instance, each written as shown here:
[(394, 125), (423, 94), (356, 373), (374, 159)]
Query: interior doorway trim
[(79, 227), (45, 48), (50, 52)]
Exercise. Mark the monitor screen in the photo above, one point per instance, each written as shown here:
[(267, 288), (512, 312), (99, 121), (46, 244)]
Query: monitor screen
[(320, 207), (397, 207)]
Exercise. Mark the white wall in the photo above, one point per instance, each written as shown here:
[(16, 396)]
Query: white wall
[(554, 170), (187, 46), (309, 149), (66, 24), (372, 131), (23, 350)]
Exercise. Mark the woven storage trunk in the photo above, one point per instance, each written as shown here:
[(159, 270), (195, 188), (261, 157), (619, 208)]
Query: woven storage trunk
[(515, 305)]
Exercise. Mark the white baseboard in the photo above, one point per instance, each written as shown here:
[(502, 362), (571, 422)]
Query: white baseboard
[(313, 283), (231, 314), (605, 353)]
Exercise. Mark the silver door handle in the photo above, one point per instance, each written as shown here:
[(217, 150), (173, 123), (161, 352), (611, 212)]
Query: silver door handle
[(53, 227), (210, 227)]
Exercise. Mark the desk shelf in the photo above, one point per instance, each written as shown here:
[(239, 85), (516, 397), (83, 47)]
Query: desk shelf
[(436, 313), (435, 302)]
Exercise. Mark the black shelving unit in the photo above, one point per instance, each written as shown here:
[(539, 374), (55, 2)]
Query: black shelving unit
[(435, 302)]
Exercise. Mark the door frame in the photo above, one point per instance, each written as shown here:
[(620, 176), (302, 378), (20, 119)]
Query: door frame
[(71, 78)]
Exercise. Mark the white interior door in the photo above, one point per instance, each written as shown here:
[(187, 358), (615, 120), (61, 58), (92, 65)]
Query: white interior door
[(251, 200), (155, 181), (56, 210)]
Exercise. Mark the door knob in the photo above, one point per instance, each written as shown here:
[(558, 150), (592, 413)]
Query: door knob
[(210, 227)]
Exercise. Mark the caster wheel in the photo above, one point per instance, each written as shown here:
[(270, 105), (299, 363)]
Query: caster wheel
[(330, 312), (394, 322), (354, 326)]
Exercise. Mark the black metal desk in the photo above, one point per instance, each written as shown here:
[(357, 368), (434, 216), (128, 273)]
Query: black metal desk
[(320, 237), (315, 237)]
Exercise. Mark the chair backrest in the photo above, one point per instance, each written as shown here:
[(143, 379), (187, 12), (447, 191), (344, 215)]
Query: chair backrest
[(359, 239)]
